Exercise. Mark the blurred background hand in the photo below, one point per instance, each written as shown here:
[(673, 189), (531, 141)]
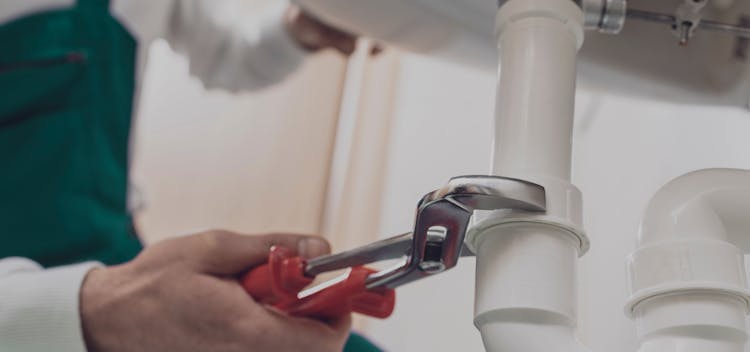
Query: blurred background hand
[(314, 35)]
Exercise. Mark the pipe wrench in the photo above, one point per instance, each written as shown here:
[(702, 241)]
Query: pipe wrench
[(434, 246)]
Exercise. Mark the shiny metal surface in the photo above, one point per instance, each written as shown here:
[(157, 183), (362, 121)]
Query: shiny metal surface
[(606, 16), (613, 19), (439, 231), (490, 193), (500, 3), (706, 25), (450, 208), (636, 14), (390, 248)]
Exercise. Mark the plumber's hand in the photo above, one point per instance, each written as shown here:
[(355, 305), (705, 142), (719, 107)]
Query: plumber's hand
[(183, 295), (315, 35)]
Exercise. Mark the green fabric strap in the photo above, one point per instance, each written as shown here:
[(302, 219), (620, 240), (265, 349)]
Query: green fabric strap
[(67, 78), (357, 343)]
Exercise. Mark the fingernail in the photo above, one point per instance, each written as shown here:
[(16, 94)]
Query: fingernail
[(312, 247)]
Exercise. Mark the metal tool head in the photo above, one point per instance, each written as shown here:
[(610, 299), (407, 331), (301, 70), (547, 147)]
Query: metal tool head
[(390, 248), (440, 227), (490, 193), (442, 221)]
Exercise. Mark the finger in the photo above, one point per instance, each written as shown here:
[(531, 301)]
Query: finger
[(226, 253)]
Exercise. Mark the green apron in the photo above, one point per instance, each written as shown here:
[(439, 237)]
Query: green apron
[(67, 82)]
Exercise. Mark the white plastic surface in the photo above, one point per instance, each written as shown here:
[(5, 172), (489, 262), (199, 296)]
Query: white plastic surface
[(526, 289), (688, 280), (696, 322), (457, 30), (538, 43), (526, 283), (532, 335), (525, 266)]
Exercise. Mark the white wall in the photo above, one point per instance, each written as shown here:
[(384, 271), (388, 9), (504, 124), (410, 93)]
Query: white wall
[(442, 128), (625, 149), (254, 162)]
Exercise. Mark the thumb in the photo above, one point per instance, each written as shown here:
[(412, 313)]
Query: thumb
[(227, 253)]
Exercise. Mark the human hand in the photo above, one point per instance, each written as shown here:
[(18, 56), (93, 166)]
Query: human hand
[(314, 35), (183, 295)]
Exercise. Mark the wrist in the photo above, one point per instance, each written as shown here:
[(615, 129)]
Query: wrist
[(90, 306)]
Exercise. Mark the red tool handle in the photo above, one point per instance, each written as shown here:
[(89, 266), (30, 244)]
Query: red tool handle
[(279, 282)]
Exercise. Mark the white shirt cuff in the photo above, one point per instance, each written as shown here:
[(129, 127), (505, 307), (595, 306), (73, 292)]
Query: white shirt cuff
[(39, 309), (276, 54)]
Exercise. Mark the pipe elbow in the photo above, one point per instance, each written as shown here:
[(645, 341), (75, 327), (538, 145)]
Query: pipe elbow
[(704, 204), (687, 275)]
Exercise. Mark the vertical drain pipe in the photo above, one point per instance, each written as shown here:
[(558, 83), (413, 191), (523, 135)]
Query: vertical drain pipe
[(687, 278), (526, 264)]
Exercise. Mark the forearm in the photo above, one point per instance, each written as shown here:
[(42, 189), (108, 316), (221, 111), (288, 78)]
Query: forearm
[(39, 309)]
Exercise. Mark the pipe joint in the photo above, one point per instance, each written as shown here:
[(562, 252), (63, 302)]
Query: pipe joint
[(526, 272), (686, 266), (688, 281), (564, 214), (563, 12)]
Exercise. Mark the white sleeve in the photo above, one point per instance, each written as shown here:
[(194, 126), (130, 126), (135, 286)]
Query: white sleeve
[(14, 9), (39, 308), (229, 47)]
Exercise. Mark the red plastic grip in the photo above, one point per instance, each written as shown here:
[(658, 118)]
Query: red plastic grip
[(279, 282)]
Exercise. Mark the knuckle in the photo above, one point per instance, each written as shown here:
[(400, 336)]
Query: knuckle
[(215, 239), (209, 246)]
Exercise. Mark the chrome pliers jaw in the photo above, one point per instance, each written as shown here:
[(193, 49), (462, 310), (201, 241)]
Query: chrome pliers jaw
[(440, 227)]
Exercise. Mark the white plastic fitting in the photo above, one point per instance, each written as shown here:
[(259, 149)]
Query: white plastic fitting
[(538, 42), (526, 265), (687, 278)]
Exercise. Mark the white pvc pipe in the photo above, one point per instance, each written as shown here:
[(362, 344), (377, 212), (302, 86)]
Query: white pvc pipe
[(687, 277), (526, 265), (703, 204), (526, 288), (530, 336), (538, 42), (692, 322)]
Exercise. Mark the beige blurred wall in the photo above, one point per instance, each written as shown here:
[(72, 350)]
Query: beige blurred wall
[(307, 155), (358, 169), (253, 163)]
